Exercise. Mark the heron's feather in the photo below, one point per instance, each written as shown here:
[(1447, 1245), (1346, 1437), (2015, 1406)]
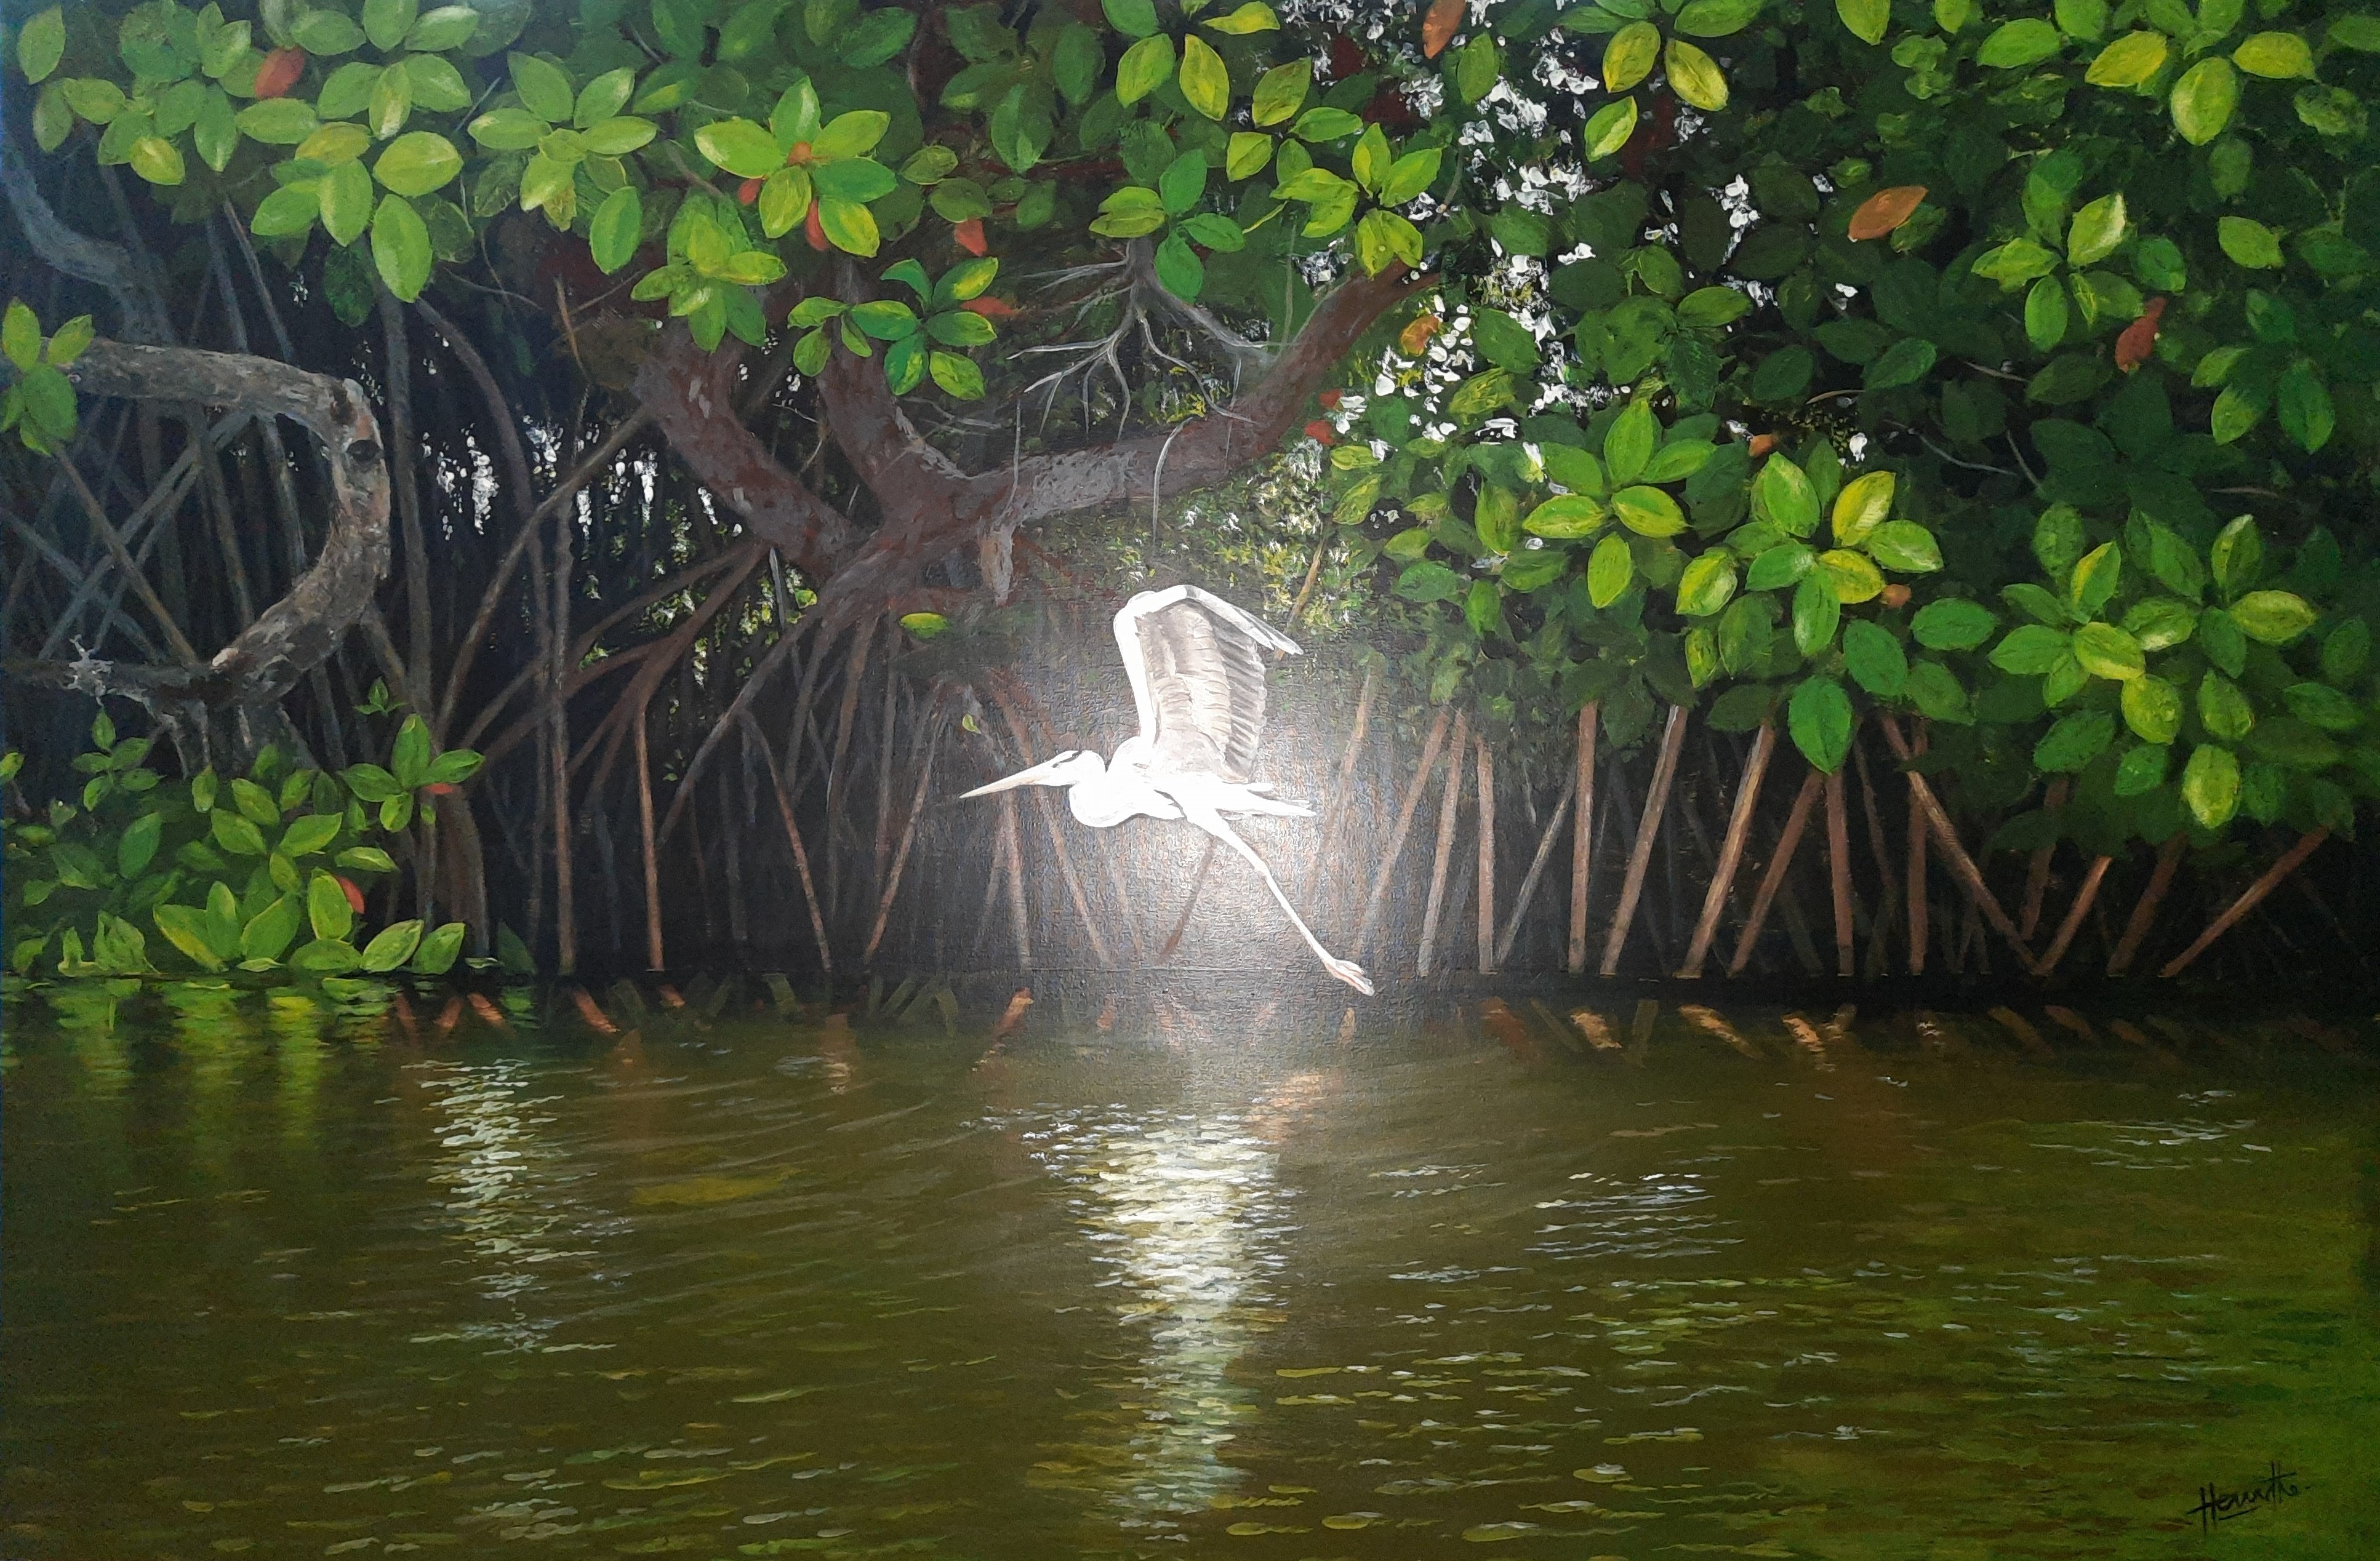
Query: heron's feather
[(1206, 681)]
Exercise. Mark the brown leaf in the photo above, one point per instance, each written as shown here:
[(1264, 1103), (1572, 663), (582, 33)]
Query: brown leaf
[(1437, 27), (2139, 340), (280, 72), (1885, 210)]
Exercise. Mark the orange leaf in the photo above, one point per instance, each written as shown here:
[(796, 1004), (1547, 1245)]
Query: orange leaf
[(989, 307), (749, 191), (1437, 27), (2139, 340), (280, 72), (1885, 210), (1321, 432), (1415, 336), (970, 236), (1761, 443), (814, 230), (1894, 595), (355, 896)]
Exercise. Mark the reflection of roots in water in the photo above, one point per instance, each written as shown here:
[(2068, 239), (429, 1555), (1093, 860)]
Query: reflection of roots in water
[(1184, 1210), (509, 1201)]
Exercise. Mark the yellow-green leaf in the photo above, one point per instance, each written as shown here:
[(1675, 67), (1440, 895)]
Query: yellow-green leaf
[(1695, 75), (2278, 56), (1629, 58), (1206, 84), (2203, 99), (1862, 507), (2129, 60)]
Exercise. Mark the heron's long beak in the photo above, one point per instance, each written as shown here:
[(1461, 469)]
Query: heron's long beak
[(1042, 774)]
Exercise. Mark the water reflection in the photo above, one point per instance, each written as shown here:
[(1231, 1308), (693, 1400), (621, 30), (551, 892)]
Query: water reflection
[(509, 1202), (1186, 1216)]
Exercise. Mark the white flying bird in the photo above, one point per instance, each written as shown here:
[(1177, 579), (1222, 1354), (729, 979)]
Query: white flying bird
[(1197, 670)]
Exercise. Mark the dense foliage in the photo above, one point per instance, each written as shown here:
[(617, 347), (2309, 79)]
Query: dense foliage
[(231, 873), (2010, 365)]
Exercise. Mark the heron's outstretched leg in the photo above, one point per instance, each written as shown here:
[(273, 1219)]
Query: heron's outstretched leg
[(1199, 811)]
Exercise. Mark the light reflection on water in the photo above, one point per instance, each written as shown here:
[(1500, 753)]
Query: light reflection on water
[(271, 1288)]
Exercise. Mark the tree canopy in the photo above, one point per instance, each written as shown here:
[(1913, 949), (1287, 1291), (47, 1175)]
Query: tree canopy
[(2007, 364)]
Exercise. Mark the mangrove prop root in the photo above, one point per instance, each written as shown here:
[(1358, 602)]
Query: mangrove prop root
[(1640, 855), (1429, 752), (1839, 872), (1946, 840), (1787, 842), (2249, 897), (1730, 851), (2083, 900), (1485, 907), (1450, 804), (1582, 847), (2144, 909)]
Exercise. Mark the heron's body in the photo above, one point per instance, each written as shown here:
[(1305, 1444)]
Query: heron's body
[(1196, 664)]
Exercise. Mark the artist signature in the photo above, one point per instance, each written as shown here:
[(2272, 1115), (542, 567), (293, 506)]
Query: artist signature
[(2220, 1506)]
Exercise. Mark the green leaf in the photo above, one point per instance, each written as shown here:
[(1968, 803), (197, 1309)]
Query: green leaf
[(2223, 709), (310, 833), (1281, 92), (1853, 578), (2273, 617), (42, 43), (612, 236), (1866, 18), (1862, 507), (2108, 651), (1252, 16), (958, 376), (1693, 75), (1628, 446), (1707, 584), (393, 945), (387, 22), (1905, 548), (1819, 718), (443, 28), (1783, 489), (186, 929), (2142, 769), (2073, 741), (1907, 361), (742, 148), (1875, 659), (2096, 230), (1937, 694), (2346, 650), (1206, 84), (401, 250), (1178, 268), (137, 845), (269, 932), (327, 33), (1145, 66), (418, 163), (327, 907), (2305, 408), (2249, 242), (1609, 129), (2210, 785), (2013, 45), (2202, 101), (1717, 18), (436, 956), (2237, 555), (2152, 709), (1133, 19), (1648, 511), (2030, 649), (545, 89), (1818, 612), (1610, 569), (2278, 56), (1953, 623), (2317, 704), (1629, 55), (849, 226)]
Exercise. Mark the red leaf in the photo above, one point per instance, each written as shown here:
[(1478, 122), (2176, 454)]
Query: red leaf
[(280, 72), (1331, 399), (355, 896), (2139, 340), (813, 229), (749, 191), (970, 236), (1437, 27), (1885, 210), (989, 307), (1321, 432)]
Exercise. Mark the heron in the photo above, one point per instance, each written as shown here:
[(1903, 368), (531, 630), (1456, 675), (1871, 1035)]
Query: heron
[(1197, 666)]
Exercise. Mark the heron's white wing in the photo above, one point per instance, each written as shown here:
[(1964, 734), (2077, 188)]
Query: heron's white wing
[(1197, 668)]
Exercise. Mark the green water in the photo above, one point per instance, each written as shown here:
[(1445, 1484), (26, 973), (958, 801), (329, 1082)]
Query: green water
[(276, 1283)]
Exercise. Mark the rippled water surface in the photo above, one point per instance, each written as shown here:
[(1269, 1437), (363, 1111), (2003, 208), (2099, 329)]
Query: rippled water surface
[(277, 1283)]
